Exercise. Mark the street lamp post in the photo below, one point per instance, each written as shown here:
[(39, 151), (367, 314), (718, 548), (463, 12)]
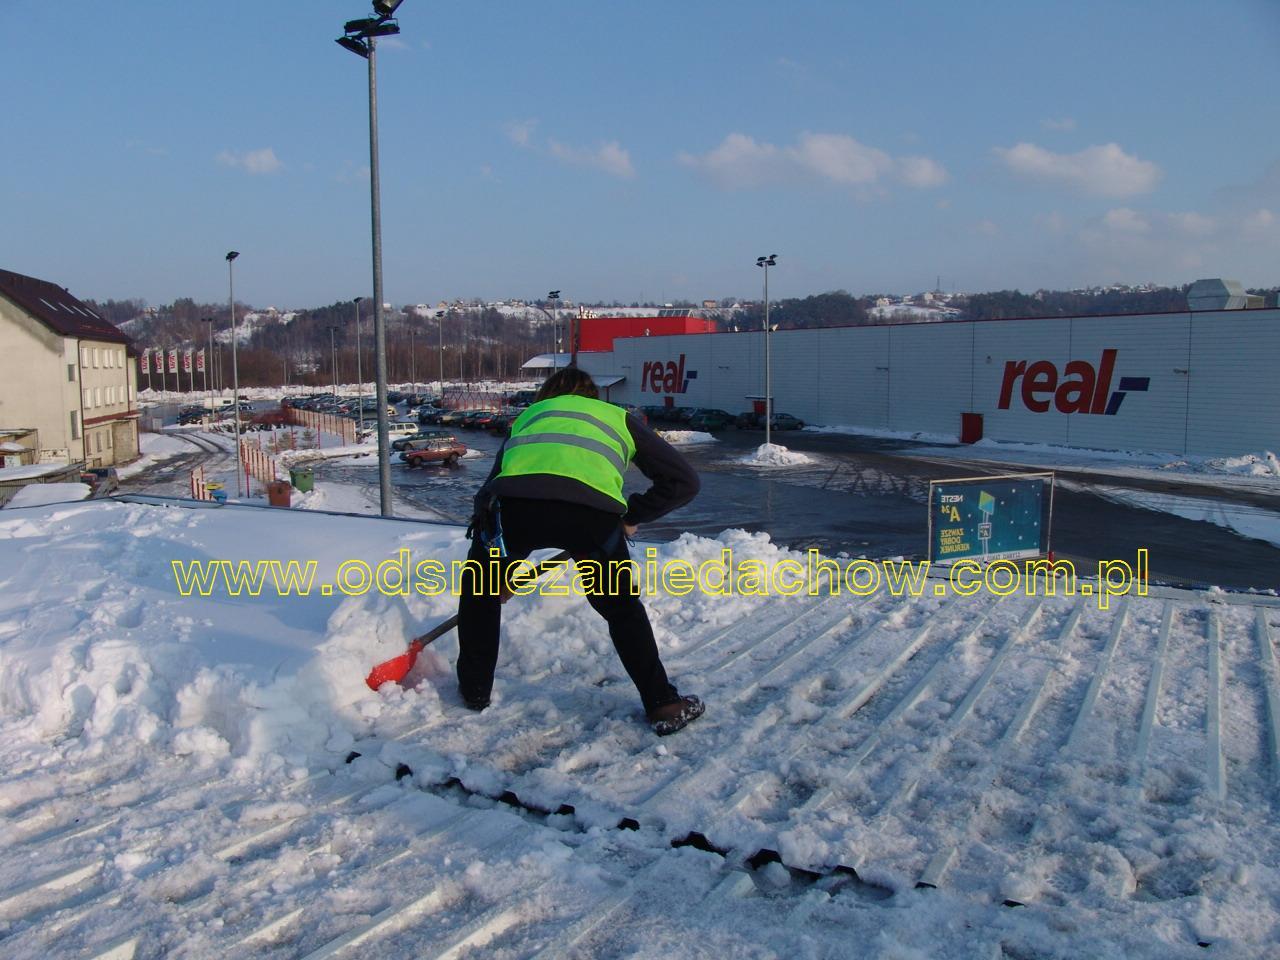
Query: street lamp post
[(360, 37), (554, 299), (359, 370), (440, 331), (333, 360), (235, 369), (766, 263), (413, 354)]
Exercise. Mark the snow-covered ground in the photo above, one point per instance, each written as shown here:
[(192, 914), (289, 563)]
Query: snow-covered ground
[(174, 779)]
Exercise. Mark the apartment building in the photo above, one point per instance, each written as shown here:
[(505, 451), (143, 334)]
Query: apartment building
[(66, 372)]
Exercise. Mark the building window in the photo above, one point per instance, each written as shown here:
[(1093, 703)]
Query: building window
[(84, 356), (97, 396), (97, 441), (108, 439), (95, 358), (88, 397), (120, 359), (71, 373), (75, 425)]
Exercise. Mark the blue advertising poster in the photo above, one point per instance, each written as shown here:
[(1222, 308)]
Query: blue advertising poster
[(987, 518)]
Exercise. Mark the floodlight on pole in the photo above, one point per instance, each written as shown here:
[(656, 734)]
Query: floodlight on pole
[(235, 369), (554, 298), (361, 39)]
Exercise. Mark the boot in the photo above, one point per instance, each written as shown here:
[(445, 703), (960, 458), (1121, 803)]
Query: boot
[(676, 715)]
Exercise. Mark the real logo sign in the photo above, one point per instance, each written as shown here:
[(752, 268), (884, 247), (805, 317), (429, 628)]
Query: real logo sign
[(1080, 389), (669, 377)]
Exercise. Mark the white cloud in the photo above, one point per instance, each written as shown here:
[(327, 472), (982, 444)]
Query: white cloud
[(1124, 220), (610, 157), (1104, 170), (739, 161), (742, 161), (921, 172), (252, 161), (521, 132), (840, 158), (1061, 123), (987, 228), (1259, 221), (1193, 224)]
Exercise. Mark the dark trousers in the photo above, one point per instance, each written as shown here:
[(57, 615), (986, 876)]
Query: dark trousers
[(586, 534)]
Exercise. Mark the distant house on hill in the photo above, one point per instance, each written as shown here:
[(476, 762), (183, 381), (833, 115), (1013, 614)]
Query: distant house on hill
[(66, 372)]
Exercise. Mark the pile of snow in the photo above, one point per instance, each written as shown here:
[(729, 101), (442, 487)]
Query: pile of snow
[(1264, 464), (687, 436), (40, 494), (774, 455)]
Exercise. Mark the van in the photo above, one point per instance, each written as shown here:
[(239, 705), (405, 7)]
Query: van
[(219, 403)]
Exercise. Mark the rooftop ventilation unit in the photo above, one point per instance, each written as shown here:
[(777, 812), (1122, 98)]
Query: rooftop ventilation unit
[(1220, 294)]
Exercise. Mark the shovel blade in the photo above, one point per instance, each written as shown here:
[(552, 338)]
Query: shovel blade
[(395, 669)]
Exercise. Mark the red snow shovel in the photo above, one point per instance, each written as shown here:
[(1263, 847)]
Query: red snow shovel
[(397, 668)]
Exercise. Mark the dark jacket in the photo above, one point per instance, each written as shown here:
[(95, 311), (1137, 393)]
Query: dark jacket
[(675, 482)]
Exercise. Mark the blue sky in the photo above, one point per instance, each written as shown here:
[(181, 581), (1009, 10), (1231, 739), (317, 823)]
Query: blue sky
[(626, 151)]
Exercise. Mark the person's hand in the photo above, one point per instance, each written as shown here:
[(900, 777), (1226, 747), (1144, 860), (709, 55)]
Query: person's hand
[(630, 529)]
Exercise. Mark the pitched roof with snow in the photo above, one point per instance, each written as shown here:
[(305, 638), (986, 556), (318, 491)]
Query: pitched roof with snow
[(57, 309)]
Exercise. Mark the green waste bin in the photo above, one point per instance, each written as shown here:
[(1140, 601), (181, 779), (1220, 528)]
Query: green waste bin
[(302, 478)]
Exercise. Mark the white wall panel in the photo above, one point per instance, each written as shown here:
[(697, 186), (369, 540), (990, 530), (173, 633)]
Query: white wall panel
[(1235, 383), (1153, 348), (930, 376)]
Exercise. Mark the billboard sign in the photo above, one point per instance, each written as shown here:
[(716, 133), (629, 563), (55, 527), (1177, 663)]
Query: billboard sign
[(990, 518)]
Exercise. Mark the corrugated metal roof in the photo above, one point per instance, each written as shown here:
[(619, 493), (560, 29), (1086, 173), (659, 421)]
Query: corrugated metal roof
[(57, 309)]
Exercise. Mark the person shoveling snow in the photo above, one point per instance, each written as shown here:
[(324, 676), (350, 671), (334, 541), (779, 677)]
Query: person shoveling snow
[(557, 482)]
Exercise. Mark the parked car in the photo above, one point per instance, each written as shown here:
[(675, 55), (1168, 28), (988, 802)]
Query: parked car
[(430, 414), (479, 419), (655, 413), (442, 451), (708, 420), (189, 415), (785, 421), (101, 480), (780, 421), (501, 423), (451, 418), (406, 443)]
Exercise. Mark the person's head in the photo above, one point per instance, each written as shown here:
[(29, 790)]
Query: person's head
[(569, 380)]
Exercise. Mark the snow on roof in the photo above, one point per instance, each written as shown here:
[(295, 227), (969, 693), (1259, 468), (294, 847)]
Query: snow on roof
[(1110, 767), (32, 471), (40, 494)]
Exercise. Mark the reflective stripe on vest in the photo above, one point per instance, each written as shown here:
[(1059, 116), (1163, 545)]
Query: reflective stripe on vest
[(575, 437)]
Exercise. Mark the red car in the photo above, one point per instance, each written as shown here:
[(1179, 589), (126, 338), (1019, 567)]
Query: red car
[(444, 450)]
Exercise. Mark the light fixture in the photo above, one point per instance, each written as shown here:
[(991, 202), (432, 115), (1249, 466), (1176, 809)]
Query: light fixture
[(386, 8), (355, 45)]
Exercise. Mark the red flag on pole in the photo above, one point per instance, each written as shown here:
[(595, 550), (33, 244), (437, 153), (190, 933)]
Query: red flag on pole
[(173, 361), (200, 360), (186, 361)]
